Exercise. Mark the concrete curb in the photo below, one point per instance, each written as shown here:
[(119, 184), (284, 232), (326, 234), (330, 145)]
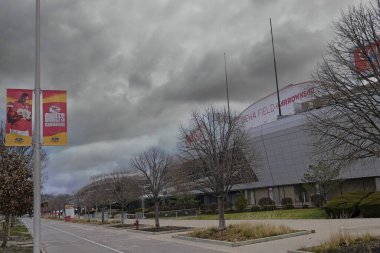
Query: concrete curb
[(297, 251), (236, 244), (159, 233)]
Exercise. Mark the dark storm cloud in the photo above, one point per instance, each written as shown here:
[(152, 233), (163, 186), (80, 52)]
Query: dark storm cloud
[(16, 41), (134, 70), (251, 70)]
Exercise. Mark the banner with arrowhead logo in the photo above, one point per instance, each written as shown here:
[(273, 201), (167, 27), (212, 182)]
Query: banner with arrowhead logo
[(54, 108)]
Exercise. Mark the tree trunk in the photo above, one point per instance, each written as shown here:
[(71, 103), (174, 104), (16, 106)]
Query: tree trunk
[(156, 212), (222, 221), (6, 229), (103, 215), (13, 220), (122, 214)]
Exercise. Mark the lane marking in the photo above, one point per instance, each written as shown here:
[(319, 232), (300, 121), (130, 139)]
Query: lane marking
[(85, 239)]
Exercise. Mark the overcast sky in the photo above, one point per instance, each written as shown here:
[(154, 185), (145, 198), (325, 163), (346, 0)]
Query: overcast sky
[(134, 70)]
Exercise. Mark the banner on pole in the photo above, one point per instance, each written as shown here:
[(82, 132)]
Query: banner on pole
[(18, 127), (54, 107)]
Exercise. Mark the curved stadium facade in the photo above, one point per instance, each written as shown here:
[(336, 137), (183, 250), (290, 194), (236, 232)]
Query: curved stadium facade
[(284, 152)]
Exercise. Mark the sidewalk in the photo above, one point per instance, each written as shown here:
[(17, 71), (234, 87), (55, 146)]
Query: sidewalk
[(323, 229)]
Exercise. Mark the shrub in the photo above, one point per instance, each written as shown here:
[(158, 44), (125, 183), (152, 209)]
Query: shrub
[(227, 205), (345, 206), (212, 207), (149, 215), (255, 208), (317, 200), (229, 210), (287, 203), (267, 203), (241, 202), (370, 206)]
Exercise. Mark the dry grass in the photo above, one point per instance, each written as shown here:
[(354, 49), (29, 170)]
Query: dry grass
[(341, 240), (241, 232)]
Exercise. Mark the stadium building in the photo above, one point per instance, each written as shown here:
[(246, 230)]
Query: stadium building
[(284, 150)]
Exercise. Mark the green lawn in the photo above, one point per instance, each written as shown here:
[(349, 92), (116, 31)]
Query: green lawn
[(307, 213)]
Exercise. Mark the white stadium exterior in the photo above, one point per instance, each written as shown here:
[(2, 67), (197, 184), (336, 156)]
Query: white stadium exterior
[(284, 152)]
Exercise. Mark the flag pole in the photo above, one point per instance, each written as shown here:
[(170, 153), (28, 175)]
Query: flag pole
[(36, 143), (228, 97), (275, 70)]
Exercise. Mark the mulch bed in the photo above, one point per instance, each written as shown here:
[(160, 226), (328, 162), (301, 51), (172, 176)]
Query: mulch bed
[(163, 229), (123, 226)]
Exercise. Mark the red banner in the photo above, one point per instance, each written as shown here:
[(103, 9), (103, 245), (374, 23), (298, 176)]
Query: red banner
[(54, 107), (18, 129)]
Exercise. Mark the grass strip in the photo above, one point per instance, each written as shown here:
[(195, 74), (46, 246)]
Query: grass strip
[(307, 213)]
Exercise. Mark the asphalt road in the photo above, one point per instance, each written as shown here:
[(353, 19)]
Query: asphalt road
[(59, 237)]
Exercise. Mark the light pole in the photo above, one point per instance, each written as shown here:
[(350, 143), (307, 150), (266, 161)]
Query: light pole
[(36, 143)]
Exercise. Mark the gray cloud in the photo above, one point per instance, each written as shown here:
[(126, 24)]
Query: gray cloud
[(134, 70)]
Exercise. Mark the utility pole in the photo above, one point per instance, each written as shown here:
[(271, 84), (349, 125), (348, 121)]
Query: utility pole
[(36, 143)]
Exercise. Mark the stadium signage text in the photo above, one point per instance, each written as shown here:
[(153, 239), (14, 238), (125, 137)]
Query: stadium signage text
[(266, 109)]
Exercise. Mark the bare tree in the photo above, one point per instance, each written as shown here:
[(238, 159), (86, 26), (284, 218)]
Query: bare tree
[(100, 193), (123, 187), (346, 128), (78, 202), (321, 179), (153, 167), (216, 153), (58, 202)]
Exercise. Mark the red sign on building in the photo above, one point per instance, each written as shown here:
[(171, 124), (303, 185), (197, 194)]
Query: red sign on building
[(363, 60)]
